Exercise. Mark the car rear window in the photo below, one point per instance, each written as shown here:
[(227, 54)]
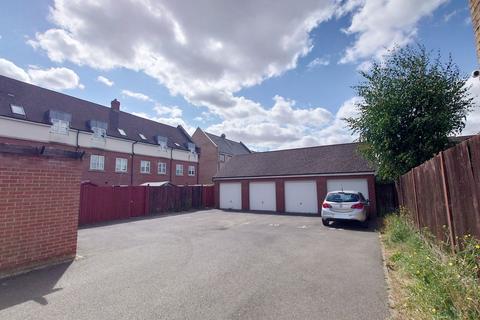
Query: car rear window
[(343, 197)]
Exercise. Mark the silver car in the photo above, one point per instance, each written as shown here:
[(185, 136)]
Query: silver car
[(345, 205)]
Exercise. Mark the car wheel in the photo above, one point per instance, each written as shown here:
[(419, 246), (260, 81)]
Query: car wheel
[(326, 222)]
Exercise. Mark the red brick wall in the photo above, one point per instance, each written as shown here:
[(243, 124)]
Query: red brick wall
[(38, 210), (208, 157), (321, 190), (108, 177)]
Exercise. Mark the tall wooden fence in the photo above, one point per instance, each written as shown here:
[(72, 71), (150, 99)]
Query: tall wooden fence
[(102, 204), (443, 194)]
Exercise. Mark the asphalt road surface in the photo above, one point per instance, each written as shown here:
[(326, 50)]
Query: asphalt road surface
[(209, 265)]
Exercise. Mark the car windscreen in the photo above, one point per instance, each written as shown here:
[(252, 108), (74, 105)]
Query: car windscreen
[(343, 197)]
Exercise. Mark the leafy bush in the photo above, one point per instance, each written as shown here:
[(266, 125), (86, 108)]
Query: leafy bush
[(438, 284)]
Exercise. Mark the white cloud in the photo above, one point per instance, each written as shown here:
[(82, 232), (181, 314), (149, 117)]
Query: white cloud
[(105, 81), (52, 78), (379, 25), (171, 115), (450, 15), (323, 61), (136, 95), (284, 126), (204, 52), (473, 118)]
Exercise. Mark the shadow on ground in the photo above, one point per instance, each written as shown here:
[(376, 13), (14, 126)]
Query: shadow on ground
[(34, 285)]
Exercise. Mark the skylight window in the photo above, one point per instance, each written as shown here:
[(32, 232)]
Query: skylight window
[(177, 144), (122, 132), (17, 109), (142, 136)]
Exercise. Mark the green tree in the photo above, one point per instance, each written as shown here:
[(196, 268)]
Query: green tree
[(411, 104)]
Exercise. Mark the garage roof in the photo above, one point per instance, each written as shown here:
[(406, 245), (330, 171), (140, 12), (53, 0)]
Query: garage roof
[(328, 159)]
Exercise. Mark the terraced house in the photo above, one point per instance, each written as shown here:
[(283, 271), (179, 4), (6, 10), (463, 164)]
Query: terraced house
[(119, 148), (216, 152)]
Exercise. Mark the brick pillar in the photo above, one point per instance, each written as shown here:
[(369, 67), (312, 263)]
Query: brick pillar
[(217, 195), (321, 191), (280, 195), (245, 196), (40, 198)]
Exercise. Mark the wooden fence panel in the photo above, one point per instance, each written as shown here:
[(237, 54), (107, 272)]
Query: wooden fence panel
[(430, 199), (463, 193), (443, 194)]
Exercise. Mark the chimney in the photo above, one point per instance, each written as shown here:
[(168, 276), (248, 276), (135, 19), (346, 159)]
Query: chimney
[(223, 136), (115, 105)]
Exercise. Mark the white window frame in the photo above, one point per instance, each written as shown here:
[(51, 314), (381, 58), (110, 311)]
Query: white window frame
[(145, 166), (99, 133), (121, 165), (17, 109), (221, 158), (179, 169), (191, 171), (162, 167), (97, 162), (60, 126)]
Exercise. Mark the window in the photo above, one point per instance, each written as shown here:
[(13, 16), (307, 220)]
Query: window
[(162, 142), (60, 121), (221, 158), (17, 109), (121, 165), (191, 170), (59, 126), (191, 147), (162, 168), (121, 131), (99, 133), (144, 166), (97, 162), (142, 136), (342, 197), (179, 170), (99, 129)]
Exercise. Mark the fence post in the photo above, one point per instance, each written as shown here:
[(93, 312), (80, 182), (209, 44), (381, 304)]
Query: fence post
[(446, 196), (415, 198)]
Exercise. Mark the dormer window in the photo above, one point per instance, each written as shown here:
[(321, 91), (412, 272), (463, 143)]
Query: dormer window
[(142, 136), (162, 142), (121, 131), (60, 122), (191, 147), (99, 129), (16, 109)]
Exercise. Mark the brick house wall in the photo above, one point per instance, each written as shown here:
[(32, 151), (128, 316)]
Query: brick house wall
[(475, 11), (208, 159), (38, 210), (108, 176), (280, 190)]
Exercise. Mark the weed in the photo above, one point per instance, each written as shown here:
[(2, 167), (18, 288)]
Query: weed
[(438, 284)]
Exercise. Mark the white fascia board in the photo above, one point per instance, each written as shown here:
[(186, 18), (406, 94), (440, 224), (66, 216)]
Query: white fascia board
[(40, 132)]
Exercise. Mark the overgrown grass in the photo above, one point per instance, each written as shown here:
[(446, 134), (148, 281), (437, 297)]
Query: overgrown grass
[(433, 283)]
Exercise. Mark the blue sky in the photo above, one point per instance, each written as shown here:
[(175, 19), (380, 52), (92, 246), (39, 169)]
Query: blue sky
[(242, 68)]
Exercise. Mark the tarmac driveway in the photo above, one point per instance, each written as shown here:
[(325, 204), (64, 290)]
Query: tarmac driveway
[(209, 265)]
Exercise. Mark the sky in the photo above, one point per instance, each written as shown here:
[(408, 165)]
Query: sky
[(273, 74)]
